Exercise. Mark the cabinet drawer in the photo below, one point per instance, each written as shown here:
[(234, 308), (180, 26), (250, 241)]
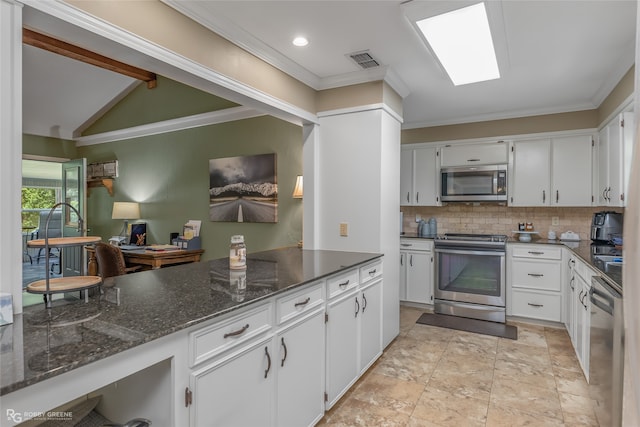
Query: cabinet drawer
[(536, 305), (291, 306), (342, 282), (219, 337), (536, 274), (537, 251), (371, 271), (416, 245), (476, 154)]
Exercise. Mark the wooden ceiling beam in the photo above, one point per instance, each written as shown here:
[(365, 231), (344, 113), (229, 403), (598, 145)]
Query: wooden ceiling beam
[(51, 44)]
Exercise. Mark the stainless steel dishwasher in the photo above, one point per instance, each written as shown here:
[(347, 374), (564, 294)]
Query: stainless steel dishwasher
[(606, 351)]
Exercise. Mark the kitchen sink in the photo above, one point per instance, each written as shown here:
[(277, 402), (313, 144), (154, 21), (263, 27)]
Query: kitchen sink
[(608, 263)]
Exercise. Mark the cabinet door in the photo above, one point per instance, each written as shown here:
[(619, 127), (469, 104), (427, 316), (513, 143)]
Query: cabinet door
[(425, 177), (571, 171), (419, 277), (301, 362), (474, 154), (531, 182), (406, 177), (237, 390), (582, 324), (603, 166), (370, 324), (570, 301), (342, 345)]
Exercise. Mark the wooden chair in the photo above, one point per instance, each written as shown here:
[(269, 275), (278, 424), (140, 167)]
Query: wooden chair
[(111, 261)]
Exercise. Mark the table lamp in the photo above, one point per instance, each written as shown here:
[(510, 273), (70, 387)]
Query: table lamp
[(125, 211)]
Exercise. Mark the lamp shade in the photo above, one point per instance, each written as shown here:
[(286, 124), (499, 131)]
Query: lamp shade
[(297, 190), (125, 210)]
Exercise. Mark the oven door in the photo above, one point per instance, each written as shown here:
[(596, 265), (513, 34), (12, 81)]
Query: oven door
[(472, 276)]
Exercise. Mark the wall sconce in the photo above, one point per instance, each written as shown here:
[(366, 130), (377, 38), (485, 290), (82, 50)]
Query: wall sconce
[(297, 190), (125, 211)]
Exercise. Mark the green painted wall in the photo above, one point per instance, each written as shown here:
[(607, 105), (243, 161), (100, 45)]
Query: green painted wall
[(169, 100), (48, 147), (169, 175)]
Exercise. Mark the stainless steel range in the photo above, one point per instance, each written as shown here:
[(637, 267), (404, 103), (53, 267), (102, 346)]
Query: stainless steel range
[(470, 276)]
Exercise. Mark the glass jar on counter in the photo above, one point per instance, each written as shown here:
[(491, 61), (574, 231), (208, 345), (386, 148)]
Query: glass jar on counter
[(237, 253)]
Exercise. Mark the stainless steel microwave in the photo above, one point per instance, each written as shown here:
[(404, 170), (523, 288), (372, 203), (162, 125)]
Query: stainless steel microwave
[(474, 183)]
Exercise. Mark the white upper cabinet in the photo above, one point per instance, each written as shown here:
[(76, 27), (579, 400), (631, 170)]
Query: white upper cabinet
[(614, 160), (552, 172), (418, 177), (530, 181), (571, 171), (474, 154)]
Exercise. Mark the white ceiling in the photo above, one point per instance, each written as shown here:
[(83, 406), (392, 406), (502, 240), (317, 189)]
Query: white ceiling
[(555, 56)]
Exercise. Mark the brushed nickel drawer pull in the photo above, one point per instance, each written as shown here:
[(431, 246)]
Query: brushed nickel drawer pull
[(305, 302), (343, 284), (238, 332), (535, 305), (372, 272), (473, 160), (536, 275), (284, 357), (536, 253)]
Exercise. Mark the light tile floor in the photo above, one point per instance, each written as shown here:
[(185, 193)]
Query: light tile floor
[(431, 376)]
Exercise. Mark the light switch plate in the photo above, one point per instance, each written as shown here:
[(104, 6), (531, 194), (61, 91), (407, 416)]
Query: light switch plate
[(555, 220), (344, 229)]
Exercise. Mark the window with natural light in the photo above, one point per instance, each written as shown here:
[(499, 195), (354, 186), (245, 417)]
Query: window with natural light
[(461, 39)]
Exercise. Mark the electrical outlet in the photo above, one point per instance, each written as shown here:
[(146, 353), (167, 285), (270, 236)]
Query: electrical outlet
[(344, 229), (418, 218), (555, 220)]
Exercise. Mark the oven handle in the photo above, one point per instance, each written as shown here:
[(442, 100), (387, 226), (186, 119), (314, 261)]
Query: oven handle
[(471, 252)]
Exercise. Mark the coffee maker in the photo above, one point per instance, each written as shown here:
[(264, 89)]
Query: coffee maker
[(605, 226)]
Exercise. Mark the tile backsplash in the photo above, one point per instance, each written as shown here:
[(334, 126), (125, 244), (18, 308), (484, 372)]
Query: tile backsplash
[(494, 219)]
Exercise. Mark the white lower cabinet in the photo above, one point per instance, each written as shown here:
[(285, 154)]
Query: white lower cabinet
[(236, 390), (300, 372), (416, 270), (582, 306), (535, 281), (354, 331), (570, 298), (256, 380), (342, 345)]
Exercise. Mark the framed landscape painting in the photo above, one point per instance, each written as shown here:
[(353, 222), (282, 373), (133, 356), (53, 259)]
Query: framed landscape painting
[(243, 189)]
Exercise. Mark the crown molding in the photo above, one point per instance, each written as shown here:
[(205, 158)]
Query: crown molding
[(173, 125)]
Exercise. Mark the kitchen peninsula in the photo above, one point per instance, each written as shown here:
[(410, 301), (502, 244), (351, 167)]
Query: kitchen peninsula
[(167, 330)]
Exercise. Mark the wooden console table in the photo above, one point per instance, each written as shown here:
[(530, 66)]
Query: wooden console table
[(149, 260)]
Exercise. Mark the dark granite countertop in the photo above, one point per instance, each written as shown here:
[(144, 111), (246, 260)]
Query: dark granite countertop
[(138, 308)]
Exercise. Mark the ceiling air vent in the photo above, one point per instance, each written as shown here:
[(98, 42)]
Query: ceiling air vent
[(364, 59)]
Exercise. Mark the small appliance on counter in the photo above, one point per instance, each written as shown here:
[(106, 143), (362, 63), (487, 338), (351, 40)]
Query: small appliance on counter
[(605, 226)]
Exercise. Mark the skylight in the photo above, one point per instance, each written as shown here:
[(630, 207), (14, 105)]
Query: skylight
[(461, 39)]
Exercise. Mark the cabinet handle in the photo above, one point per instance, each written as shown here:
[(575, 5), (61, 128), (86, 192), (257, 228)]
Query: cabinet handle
[(285, 352), (372, 272), (604, 193), (408, 195), (417, 197), (343, 284), (402, 259), (411, 260), (535, 305), (536, 274), (357, 307), (573, 279), (238, 332), (580, 296), (536, 253), (305, 302), (544, 196), (266, 371), (364, 303), (473, 160), (406, 245), (557, 196)]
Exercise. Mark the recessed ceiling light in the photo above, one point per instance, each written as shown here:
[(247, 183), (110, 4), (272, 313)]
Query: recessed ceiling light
[(462, 41), (300, 41)]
